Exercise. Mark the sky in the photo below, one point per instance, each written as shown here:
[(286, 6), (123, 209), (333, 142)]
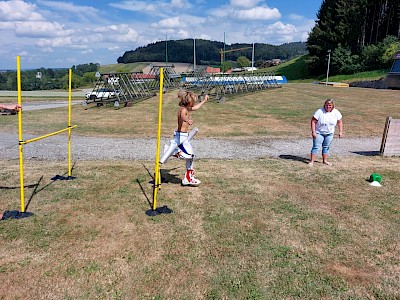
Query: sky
[(60, 34)]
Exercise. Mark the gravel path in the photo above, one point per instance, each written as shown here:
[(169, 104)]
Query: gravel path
[(48, 104), (92, 148)]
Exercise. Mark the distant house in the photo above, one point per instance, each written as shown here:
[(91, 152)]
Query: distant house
[(211, 70), (140, 77)]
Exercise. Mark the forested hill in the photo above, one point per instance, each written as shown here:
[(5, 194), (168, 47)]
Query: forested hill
[(208, 52)]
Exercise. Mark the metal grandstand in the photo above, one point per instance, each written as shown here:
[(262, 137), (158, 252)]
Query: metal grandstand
[(127, 88), (219, 85)]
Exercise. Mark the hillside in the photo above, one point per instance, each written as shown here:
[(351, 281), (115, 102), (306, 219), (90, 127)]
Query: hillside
[(122, 68), (295, 70), (208, 52)]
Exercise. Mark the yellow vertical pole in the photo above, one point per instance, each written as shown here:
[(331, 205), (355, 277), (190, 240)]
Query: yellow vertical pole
[(21, 155), (69, 121), (157, 177)]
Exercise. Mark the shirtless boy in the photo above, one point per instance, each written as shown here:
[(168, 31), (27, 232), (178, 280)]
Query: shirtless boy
[(187, 105)]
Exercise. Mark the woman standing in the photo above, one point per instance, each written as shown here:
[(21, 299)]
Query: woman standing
[(323, 125)]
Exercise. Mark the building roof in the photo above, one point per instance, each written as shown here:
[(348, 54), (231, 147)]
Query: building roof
[(213, 70)]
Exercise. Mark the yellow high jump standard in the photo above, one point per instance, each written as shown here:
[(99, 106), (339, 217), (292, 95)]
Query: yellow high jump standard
[(22, 142)]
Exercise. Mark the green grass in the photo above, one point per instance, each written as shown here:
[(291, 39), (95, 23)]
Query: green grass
[(284, 112), (296, 71), (268, 228), (123, 68), (370, 75), (260, 229)]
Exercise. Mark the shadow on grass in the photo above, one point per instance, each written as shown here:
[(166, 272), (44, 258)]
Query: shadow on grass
[(144, 192), (35, 186), (165, 177), (367, 153), (294, 157)]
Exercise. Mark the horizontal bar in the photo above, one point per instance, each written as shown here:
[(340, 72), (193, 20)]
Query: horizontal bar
[(47, 135)]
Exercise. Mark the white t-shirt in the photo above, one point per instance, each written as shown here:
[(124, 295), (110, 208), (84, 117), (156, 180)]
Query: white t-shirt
[(326, 120)]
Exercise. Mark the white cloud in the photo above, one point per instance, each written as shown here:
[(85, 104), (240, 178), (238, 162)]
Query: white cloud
[(23, 53), (244, 3), (47, 49), (257, 13), (155, 8), (41, 29), (279, 33), (7, 26), (180, 4), (220, 12), (183, 34), (114, 48), (204, 37), (129, 36), (17, 10), (295, 17), (116, 33), (68, 7), (135, 6), (88, 51), (279, 28), (56, 42), (170, 23)]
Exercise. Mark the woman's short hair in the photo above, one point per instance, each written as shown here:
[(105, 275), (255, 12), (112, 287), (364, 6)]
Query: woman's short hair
[(330, 101), (187, 98)]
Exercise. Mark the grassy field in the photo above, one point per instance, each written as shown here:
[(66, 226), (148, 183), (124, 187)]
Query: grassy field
[(284, 112), (255, 229), (296, 71)]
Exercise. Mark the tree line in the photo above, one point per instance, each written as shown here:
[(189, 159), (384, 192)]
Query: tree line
[(208, 52), (49, 79), (361, 35)]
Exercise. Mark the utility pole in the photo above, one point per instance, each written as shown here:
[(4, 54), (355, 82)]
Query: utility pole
[(166, 49), (252, 56), (223, 59), (194, 50), (329, 62)]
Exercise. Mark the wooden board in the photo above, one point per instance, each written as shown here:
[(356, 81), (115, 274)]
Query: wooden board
[(335, 84), (391, 138)]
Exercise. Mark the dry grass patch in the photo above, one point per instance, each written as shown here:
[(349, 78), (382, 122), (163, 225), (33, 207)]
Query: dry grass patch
[(283, 112), (262, 229)]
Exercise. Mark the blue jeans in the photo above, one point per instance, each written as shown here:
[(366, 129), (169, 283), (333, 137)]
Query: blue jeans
[(323, 140)]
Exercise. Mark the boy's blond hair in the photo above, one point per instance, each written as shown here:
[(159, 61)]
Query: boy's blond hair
[(187, 99)]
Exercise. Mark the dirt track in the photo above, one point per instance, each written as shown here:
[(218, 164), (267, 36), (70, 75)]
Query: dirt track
[(92, 148)]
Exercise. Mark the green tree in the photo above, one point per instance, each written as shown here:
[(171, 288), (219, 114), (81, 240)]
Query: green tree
[(11, 83), (390, 47), (354, 24), (89, 78), (243, 62), (226, 65), (371, 57), (344, 62)]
